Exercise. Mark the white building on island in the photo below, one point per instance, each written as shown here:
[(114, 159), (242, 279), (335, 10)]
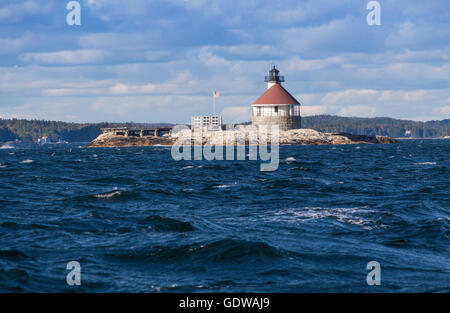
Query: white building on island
[(206, 122)]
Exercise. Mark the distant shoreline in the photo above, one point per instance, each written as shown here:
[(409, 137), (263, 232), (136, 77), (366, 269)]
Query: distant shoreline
[(32, 130)]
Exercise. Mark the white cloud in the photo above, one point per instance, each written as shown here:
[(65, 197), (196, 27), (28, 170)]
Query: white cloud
[(209, 59), (8, 45), (324, 39), (242, 52), (305, 11), (237, 114), (443, 112), (401, 95), (308, 110), (66, 57), (62, 92), (298, 64), (308, 99), (415, 35), (119, 88), (358, 110), (16, 11), (404, 74), (134, 41), (351, 96)]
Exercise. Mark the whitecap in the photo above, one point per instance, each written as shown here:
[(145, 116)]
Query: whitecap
[(186, 167), (26, 161), (108, 195), (222, 186), (425, 163), (290, 159), (6, 146), (354, 216)]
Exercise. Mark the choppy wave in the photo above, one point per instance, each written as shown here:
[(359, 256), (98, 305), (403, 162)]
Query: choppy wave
[(160, 223), (14, 255), (221, 251)]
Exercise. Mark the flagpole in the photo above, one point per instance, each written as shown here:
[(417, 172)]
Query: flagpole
[(214, 103)]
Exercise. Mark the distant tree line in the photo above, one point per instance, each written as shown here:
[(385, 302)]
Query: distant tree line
[(32, 130), (383, 126)]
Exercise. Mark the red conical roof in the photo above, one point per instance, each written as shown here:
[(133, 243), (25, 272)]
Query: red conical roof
[(276, 95)]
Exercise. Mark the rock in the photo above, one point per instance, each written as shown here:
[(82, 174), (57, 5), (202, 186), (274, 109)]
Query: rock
[(110, 140), (368, 139)]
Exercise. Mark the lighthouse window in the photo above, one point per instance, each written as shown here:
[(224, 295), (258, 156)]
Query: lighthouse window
[(276, 109)]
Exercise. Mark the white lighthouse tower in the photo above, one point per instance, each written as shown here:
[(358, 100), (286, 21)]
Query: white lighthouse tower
[(276, 106)]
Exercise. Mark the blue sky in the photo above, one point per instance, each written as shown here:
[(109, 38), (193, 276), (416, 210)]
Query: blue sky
[(160, 60)]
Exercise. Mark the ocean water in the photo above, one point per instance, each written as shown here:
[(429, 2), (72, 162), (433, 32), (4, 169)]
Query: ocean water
[(138, 221)]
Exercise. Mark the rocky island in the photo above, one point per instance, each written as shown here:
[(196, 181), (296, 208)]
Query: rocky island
[(288, 137)]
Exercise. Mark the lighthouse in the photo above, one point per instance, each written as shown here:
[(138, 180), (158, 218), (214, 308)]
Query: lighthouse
[(276, 106)]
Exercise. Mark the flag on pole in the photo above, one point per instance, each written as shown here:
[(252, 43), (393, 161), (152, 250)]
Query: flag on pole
[(215, 95)]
